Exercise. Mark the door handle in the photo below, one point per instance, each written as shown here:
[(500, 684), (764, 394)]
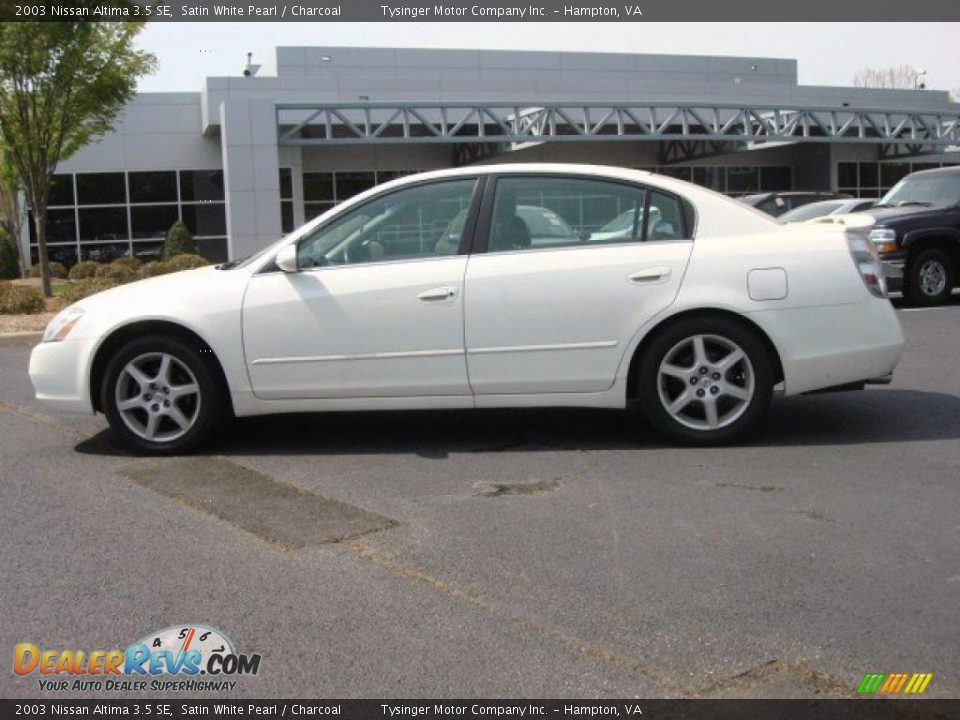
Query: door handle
[(650, 275), (437, 294)]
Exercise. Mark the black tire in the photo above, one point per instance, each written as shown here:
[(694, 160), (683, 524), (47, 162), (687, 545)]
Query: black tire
[(737, 416), (206, 410), (919, 284)]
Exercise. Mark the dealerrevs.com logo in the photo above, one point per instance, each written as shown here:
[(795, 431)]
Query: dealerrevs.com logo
[(182, 657)]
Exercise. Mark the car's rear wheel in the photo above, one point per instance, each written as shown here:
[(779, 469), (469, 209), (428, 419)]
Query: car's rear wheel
[(705, 381), (929, 278), (161, 396)]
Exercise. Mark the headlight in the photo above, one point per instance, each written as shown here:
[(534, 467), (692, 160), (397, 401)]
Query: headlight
[(62, 324), (884, 239)]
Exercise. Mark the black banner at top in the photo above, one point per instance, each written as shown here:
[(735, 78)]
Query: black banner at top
[(400, 11)]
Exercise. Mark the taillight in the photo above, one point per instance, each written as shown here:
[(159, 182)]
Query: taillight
[(867, 260)]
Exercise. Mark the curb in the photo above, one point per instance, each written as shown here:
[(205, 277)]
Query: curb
[(20, 338)]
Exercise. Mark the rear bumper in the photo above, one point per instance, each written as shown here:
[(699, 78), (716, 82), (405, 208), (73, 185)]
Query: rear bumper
[(825, 347)]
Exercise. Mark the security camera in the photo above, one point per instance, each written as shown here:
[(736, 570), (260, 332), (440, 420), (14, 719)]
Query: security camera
[(251, 68)]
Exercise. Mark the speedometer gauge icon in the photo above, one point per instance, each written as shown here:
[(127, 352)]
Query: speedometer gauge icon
[(181, 639)]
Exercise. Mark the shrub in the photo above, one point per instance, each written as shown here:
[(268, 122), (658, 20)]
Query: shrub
[(119, 274), (85, 288), (9, 258), (83, 270), (186, 262), (127, 261), (57, 270), (20, 300), (179, 241), (152, 269)]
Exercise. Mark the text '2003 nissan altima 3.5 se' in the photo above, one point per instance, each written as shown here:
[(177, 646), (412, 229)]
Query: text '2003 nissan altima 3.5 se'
[(483, 287)]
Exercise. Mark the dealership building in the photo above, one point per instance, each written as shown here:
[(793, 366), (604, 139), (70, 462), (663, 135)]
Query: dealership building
[(244, 159)]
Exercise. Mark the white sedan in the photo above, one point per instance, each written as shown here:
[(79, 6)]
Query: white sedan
[(389, 301)]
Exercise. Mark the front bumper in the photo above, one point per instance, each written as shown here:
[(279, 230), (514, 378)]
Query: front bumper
[(58, 375), (893, 274)]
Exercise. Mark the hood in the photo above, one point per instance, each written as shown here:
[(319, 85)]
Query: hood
[(889, 216), (176, 293)]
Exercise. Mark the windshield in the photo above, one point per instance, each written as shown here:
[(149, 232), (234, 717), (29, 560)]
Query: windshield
[(936, 190)]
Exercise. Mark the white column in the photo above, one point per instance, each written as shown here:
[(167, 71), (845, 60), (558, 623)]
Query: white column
[(248, 137)]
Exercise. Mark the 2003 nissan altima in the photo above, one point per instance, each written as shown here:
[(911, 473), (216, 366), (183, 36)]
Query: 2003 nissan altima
[(498, 286)]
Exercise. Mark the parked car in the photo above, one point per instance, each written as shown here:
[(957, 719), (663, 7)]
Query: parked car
[(827, 207), (777, 203), (695, 315), (916, 229)]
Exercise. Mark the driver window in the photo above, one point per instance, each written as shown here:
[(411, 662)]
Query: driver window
[(419, 222)]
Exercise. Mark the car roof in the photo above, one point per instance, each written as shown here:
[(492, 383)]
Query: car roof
[(946, 170)]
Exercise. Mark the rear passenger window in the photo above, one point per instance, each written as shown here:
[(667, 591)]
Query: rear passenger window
[(532, 213), (665, 218)]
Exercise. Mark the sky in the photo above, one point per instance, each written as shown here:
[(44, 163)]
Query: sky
[(828, 53)]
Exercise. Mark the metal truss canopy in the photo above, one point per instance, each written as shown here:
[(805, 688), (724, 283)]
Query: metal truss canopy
[(382, 123)]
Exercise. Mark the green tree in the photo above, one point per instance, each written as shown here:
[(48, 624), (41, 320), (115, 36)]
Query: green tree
[(10, 222), (61, 85), (179, 241)]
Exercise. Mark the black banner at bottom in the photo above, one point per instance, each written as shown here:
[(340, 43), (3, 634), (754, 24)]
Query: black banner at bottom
[(865, 709)]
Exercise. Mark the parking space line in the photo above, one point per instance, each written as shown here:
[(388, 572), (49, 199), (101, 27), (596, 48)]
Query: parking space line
[(589, 650), (40, 420)]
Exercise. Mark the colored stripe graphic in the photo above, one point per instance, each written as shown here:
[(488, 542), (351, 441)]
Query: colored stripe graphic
[(870, 683), (911, 683), (918, 683)]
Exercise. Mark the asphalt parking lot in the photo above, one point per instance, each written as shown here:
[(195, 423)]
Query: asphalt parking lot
[(550, 553)]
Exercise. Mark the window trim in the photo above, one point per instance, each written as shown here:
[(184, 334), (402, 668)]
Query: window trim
[(466, 238), (481, 241)]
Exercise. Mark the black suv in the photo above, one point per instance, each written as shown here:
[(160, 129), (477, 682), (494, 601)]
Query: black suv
[(917, 232)]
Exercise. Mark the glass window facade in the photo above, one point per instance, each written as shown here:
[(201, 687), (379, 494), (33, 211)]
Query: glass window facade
[(874, 179), (101, 216), (731, 179), (323, 190)]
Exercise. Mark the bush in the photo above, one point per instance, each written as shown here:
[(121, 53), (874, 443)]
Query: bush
[(179, 241), (9, 258), (118, 273), (83, 270), (85, 288), (127, 261), (152, 269), (57, 270), (20, 300), (186, 262)]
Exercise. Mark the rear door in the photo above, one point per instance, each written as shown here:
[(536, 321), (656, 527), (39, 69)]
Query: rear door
[(551, 312)]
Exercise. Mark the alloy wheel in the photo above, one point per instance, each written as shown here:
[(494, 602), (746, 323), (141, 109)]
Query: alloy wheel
[(706, 382), (158, 397), (933, 278)]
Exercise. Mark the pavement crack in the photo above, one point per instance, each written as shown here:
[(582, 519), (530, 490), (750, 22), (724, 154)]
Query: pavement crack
[(750, 488), (527, 488)]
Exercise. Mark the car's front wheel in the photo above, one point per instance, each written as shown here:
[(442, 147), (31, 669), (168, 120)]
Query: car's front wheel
[(705, 381), (929, 278), (161, 396)]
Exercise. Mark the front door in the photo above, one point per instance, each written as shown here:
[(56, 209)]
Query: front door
[(376, 308)]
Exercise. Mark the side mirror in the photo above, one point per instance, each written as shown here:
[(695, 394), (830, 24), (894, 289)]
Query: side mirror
[(287, 258)]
